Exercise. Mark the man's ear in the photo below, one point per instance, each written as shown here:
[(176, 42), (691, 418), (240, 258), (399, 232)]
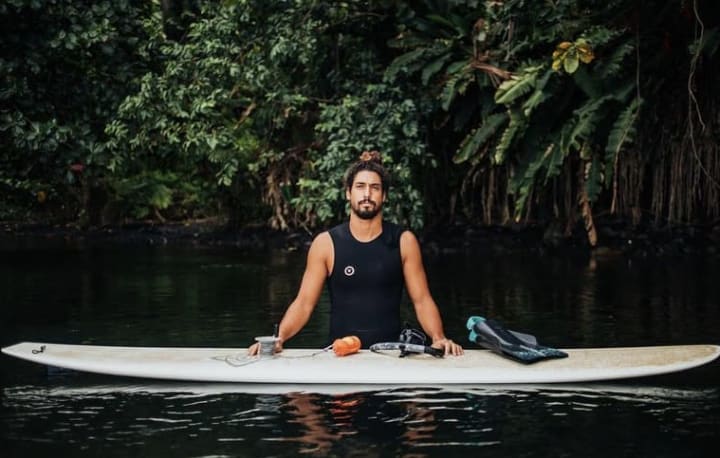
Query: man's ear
[(347, 193)]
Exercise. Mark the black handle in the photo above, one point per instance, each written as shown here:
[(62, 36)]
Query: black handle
[(436, 352)]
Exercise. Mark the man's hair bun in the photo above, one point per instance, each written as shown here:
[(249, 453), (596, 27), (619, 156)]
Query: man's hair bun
[(371, 156)]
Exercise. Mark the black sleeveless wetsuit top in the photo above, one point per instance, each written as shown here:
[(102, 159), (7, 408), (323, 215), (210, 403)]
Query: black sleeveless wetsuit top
[(366, 285)]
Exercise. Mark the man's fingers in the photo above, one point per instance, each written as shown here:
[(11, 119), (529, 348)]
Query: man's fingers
[(450, 347)]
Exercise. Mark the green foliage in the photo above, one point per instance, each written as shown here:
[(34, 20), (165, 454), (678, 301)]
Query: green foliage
[(568, 56), (64, 69), (256, 108), (155, 193), (517, 86), (379, 118), (480, 137), (622, 133), (517, 124), (240, 102), (208, 109), (553, 116), (185, 115)]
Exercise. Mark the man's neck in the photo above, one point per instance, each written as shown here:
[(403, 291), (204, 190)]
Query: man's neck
[(365, 230)]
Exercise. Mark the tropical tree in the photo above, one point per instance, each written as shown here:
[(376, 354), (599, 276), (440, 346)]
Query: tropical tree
[(547, 98)]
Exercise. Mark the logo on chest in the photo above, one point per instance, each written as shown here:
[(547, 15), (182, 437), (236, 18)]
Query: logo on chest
[(349, 271)]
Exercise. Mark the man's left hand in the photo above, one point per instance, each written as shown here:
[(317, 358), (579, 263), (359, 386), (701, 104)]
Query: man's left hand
[(448, 347)]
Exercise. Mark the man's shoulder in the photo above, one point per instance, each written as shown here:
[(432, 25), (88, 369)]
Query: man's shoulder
[(338, 232), (393, 233), (395, 228), (321, 246), (323, 237), (408, 236)]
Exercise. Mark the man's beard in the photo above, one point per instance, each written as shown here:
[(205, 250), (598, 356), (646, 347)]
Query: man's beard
[(368, 213)]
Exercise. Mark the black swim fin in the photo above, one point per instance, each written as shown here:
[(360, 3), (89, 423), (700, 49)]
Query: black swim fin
[(515, 345)]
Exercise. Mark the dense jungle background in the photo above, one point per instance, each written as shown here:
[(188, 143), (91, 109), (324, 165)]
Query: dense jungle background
[(563, 114)]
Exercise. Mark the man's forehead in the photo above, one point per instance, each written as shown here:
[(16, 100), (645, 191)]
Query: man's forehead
[(367, 176)]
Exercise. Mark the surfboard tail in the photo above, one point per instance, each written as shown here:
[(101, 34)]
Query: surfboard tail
[(520, 347)]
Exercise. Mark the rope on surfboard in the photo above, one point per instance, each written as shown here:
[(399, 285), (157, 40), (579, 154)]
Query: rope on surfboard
[(244, 360), (41, 350)]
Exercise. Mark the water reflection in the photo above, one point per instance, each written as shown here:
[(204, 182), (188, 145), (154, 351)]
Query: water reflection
[(338, 421), (175, 297)]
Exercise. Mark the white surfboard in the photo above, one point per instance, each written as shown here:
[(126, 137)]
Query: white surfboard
[(307, 366)]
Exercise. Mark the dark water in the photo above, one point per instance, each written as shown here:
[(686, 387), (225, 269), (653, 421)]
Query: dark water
[(119, 295)]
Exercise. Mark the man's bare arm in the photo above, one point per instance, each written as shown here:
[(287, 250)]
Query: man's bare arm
[(416, 283), (316, 271)]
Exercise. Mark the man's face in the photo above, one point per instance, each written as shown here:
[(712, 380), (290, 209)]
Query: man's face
[(366, 195)]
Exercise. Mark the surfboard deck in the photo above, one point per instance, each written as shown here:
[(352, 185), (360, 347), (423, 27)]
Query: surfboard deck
[(312, 366)]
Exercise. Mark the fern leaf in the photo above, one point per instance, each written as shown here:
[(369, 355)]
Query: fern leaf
[(401, 63), (479, 137), (450, 90), (434, 67), (442, 20), (451, 21), (539, 95), (515, 87), (523, 183), (622, 133), (586, 120), (599, 35), (555, 160), (623, 93), (614, 64), (457, 66), (408, 41), (517, 122)]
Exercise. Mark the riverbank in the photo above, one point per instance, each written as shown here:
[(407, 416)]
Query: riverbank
[(615, 237)]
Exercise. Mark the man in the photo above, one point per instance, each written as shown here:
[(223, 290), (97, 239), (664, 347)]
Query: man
[(365, 262)]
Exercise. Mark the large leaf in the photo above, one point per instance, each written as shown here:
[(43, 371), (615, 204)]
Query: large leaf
[(593, 178), (614, 64), (584, 124), (571, 63), (451, 21), (523, 183), (401, 63), (516, 87), (517, 123), (479, 137), (553, 162), (539, 95), (622, 132), (453, 86), (435, 66)]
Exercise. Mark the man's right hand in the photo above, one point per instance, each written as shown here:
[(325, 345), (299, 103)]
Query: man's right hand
[(255, 348)]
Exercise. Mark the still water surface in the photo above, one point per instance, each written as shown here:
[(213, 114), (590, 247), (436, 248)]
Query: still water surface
[(170, 296)]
